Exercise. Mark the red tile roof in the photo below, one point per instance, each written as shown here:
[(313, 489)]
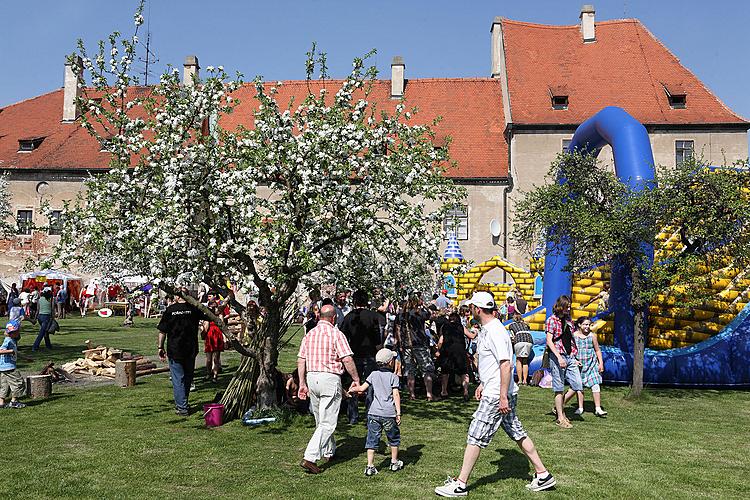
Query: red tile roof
[(627, 66), (471, 111), (65, 145)]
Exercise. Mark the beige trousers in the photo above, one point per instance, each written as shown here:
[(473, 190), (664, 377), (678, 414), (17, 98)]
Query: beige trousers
[(325, 402)]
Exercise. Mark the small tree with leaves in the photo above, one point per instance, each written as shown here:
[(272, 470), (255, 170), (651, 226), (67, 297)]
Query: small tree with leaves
[(326, 187), (7, 225), (603, 220)]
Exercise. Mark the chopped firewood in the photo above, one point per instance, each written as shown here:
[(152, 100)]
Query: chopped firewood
[(100, 361)]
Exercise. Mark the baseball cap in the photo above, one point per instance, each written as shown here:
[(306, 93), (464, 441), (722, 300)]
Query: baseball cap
[(13, 326), (485, 300), (384, 356)]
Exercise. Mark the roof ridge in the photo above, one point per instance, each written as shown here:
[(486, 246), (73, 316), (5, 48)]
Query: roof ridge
[(412, 80), (32, 98), (569, 26), (700, 82)]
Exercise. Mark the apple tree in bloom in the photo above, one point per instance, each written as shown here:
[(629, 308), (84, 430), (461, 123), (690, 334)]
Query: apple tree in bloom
[(326, 188), (7, 224)]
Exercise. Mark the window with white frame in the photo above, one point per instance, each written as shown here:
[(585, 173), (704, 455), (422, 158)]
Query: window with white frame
[(55, 222), (24, 221), (683, 151), (457, 221)]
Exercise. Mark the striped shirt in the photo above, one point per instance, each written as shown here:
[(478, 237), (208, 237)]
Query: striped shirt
[(323, 347)]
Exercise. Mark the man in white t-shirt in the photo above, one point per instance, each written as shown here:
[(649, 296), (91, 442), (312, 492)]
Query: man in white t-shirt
[(497, 394)]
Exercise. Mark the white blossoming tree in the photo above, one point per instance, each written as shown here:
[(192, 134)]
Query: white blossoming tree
[(7, 224), (325, 188)]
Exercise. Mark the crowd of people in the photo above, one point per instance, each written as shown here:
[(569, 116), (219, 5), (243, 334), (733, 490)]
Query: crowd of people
[(375, 348)]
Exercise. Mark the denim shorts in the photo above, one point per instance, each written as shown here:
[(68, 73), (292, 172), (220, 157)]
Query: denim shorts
[(571, 373), (376, 425)]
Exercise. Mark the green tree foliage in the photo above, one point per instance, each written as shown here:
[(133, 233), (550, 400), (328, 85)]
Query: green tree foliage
[(602, 220)]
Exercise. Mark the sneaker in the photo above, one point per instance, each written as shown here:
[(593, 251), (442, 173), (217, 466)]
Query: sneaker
[(192, 387), (579, 411), (397, 465), (451, 488), (370, 470), (16, 405), (541, 483), (182, 413), (564, 423), (600, 413)]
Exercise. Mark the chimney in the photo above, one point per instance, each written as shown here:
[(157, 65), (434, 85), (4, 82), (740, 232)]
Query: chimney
[(397, 77), (190, 70), (498, 51), (71, 89), (587, 23)]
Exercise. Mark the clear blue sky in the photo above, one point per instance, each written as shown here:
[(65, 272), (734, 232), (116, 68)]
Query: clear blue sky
[(436, 38)]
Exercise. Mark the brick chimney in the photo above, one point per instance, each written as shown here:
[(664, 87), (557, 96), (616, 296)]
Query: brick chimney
[(397, 77), (190, 70), (71, 89), (587, 23)]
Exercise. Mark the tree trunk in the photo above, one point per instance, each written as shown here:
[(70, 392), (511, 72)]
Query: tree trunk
[(256, 382), (639, 346), (266, 389), (639, 333)]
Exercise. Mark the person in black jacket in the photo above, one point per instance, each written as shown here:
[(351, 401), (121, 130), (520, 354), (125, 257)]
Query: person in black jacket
[(179, 326), (362, 329)]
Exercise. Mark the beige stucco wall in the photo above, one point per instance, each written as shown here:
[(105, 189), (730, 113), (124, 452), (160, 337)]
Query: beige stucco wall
[(485, 202), (532, 152), (24, 196)]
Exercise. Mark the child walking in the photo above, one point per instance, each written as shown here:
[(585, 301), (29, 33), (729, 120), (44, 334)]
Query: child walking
[(592, 366), (10, 377), (385, 411)]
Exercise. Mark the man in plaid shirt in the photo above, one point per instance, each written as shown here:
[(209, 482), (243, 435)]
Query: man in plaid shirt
[(323, 356)]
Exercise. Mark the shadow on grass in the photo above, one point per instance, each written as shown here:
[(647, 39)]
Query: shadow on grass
[(512, 464), (40, 402)]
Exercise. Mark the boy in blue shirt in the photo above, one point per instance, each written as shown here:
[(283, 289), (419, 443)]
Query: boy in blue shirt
[(385, 411), (10, 377)]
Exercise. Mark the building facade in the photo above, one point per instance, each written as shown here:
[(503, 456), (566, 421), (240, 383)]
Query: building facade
[(505, 129)]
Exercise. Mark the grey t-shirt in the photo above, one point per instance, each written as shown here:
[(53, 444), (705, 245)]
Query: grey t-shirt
[(382, 381)]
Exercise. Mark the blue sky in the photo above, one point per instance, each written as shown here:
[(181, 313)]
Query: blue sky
[(436, 38)]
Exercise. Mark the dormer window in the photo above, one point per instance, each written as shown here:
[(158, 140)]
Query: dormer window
[(676, 95), (29, 144), (559, 102), (559, 95), (678, 101)]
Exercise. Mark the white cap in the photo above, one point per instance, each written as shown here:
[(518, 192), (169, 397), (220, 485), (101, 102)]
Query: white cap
[(384, 356), (485, 300)]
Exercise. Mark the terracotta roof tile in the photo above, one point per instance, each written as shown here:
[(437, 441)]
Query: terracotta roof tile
[(471, 110), (627, 66)]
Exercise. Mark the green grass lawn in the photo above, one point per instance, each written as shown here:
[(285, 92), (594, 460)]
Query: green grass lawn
[(109, 442)]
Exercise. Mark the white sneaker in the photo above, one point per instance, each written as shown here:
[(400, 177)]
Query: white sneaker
[(370, 470), (579, 411), (397, 465), (600, 413), (451, 488), (544, 483)]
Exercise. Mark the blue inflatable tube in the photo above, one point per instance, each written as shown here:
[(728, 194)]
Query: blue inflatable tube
[(721, 361)]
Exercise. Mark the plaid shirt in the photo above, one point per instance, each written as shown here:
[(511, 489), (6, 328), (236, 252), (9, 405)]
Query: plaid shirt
[(323, 347), (555, 327)]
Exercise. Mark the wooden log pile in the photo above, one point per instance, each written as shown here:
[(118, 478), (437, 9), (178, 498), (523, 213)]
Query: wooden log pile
[(100, 362), (57, 374)]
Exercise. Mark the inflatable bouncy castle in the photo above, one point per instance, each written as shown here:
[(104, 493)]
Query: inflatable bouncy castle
[(707, 346)]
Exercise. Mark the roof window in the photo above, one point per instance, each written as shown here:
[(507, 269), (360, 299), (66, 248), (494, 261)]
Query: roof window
[(29, 144), (559, 102), (676, 95), (559, 95)]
